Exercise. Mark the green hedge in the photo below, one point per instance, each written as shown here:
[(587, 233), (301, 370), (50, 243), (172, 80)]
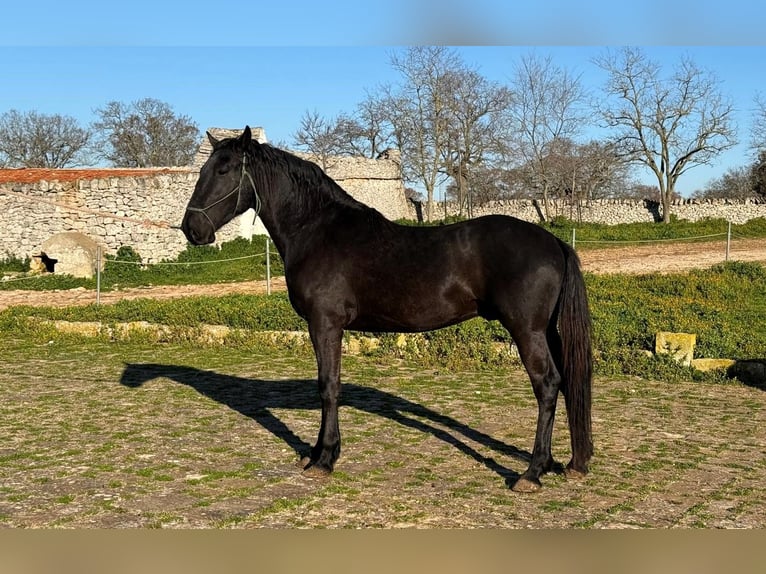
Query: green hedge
[(642, 232), (725, 306)]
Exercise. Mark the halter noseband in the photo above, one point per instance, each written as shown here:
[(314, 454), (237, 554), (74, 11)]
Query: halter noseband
[(238, 190)]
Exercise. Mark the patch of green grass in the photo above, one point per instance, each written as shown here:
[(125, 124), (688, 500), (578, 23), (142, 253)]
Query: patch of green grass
[(598, 235), (280, 505), (341, 489), (161, 519), (724, 306), (700, 515), (625, 506), (16, 456), (559, 505)]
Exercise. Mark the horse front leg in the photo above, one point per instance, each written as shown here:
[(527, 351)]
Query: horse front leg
[(326, 339)]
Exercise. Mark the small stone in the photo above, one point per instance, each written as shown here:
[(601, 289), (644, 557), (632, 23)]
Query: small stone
[(706, 365), (679, 345)]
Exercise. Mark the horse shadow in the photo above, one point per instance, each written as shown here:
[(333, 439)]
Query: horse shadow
[(255, 397)]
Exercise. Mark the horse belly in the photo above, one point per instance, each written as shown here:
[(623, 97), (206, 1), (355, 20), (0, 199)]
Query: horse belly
[(405, 308)]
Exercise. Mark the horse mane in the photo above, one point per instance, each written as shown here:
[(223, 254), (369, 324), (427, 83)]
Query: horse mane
[(317, 189)]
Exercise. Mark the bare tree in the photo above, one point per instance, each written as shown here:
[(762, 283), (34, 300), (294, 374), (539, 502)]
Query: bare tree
[(366, 132), (737, 182), (758, 125), (421, 114), (601, 171), (669, 124), (758, 146), (369, 131), (758, 174), (477, 110), (145, 133), (318, 136), (444, 117), (491, 182), (547, 107), (31, 139)]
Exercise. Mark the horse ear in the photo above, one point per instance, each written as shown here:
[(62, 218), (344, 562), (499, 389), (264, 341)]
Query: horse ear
[(246, 137), (214, 142)]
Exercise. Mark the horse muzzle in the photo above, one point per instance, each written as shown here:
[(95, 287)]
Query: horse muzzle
[(197, 228)]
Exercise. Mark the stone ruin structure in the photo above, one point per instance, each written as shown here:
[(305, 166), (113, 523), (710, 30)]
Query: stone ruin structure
[(138, 207)]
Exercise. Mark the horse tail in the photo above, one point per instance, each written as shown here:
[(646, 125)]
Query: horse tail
[(577, 360)]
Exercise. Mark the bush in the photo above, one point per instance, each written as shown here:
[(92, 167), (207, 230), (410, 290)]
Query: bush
[(12, 264), (724, 306)]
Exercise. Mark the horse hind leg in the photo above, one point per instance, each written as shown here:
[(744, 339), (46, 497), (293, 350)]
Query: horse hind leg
[(536, 355), (556, 346)]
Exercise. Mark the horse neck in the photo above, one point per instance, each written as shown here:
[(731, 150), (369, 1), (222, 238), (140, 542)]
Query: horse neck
[(286, 208)]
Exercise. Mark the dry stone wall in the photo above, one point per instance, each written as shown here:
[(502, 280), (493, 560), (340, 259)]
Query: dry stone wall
[(375, 182), (112, 210), (137, 207), (613, 211)]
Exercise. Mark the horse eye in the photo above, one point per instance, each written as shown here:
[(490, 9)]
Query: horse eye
[(224, 169)]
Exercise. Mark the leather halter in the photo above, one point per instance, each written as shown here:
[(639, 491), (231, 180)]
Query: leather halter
[(238, 190)]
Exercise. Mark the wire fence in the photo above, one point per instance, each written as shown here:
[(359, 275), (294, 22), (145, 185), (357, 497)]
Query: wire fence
[(659, 240), (727, 234), (101, 262), (694, 238)]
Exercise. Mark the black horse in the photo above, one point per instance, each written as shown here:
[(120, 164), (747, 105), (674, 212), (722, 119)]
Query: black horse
[(348, 267)]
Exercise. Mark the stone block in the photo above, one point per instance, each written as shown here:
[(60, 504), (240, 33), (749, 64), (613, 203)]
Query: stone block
[(75, 253), (705, 365), (680, 346)]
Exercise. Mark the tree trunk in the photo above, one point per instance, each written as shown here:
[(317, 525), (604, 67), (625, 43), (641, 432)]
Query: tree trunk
[(546, 208), (666, 194)]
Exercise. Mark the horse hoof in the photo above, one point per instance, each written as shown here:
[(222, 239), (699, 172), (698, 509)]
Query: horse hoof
[(573, 474), (304, 462), (315, 471), (526, 486)]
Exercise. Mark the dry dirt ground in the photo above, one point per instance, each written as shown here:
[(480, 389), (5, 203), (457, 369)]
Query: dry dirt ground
[(171, 436), (668, 258)]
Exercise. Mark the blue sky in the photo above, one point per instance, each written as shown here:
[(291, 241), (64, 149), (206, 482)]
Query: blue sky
[(265, 64)]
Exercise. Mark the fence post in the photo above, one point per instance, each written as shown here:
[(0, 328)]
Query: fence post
[(728, 242), (574, 235), (98, 275), (268, 268)]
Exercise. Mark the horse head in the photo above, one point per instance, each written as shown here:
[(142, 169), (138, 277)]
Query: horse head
[(225, 189)]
